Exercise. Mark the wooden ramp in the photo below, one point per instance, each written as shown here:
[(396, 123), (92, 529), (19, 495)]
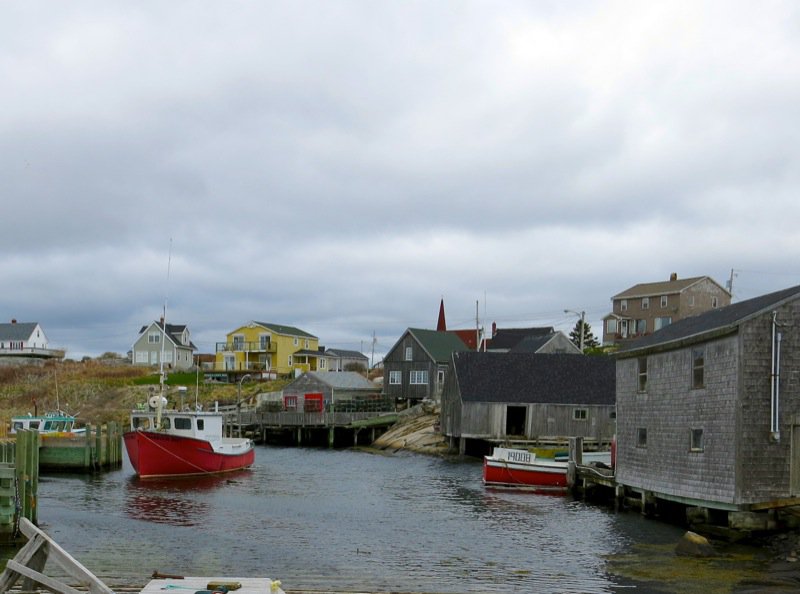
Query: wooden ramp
[(30, 561)]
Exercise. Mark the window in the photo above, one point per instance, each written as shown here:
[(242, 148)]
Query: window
[(322, 363), (696, 441), (183, 423), (641, 326), (664, 301), (440, 377), (306, 344), (238, 342), (579, 414), (611, 326), (395, 377), (691, 300), (714, 301), (418, 377), (290, 360), (154, 337), (263, 342), (409, 354), (641, 437), (623, 305), (296, 341), (645, 302), (698, 364), (661, 322), (643, 374), (201, 424)]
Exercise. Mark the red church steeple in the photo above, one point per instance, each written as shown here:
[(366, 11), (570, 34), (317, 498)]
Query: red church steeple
[(441, 326)]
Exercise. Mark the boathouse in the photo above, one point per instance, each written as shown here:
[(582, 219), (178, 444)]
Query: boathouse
[(527, 398), (346, 391), (709, 408)]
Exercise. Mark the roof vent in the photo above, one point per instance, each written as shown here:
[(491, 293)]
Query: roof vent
[(673, 277)]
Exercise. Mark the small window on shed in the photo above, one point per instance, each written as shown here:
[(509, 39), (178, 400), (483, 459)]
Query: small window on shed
[(698, 365), (579, 414), (696, 444), (643, 374), (641, 437)]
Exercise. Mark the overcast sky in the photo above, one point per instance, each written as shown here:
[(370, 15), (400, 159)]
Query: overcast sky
[(342, 166)]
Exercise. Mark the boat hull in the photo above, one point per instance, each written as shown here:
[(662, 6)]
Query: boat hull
[(158, 455), (549, 476)]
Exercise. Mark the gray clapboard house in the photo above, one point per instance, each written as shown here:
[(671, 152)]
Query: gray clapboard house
[(709, 408), (177, 346), (501, 397), (342, 392)]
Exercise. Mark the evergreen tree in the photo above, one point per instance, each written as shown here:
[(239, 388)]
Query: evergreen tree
[(589, 341)]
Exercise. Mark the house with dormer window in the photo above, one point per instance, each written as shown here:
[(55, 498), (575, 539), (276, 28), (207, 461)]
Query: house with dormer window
[(173, 342)]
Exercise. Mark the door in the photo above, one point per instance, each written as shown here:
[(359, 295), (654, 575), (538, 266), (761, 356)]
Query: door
[(515, 420)]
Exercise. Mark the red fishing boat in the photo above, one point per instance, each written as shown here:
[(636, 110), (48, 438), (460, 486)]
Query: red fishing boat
[(173, 443), (520, 468)]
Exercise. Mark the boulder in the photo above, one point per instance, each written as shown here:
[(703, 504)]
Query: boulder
[(692, 544)]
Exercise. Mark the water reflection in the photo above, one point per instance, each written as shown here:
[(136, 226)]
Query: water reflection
[(175, 501)]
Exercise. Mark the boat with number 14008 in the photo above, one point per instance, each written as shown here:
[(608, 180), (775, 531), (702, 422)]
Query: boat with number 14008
[(508, 467)]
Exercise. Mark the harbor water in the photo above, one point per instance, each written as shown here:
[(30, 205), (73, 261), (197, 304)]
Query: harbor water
[(355, 521)]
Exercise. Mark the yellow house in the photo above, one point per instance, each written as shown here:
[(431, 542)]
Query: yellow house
[(260, 346)]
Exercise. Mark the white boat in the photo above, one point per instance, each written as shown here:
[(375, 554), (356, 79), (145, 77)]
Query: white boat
[(51, 422), (508, 467)]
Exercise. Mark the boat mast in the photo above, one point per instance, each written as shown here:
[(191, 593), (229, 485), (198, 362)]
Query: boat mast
[(161, 378)]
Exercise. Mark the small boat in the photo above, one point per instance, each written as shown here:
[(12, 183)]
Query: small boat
[(48, 423), (175, 443), (508, 467)]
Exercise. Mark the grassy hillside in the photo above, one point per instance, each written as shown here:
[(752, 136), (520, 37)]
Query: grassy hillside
[(98, 392)]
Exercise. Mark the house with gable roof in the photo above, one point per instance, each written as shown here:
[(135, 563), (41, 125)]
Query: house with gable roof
[(26, 341), (541, 340), (346, 360), (491, 398), (648, 307), (415, 368), (174, 341), (709, 408), (276, 349)]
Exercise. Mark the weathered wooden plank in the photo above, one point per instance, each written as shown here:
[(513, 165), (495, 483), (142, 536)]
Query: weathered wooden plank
[(51, 584)]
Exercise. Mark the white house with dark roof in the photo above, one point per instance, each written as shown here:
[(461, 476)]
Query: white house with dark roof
[(21, 340), (174, 341), (341, 359)]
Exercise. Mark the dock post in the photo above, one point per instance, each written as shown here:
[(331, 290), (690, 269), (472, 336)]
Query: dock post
[(330, 437)]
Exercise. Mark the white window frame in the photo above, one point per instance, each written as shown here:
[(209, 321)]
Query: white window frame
[(395, 377), (623, 305), (408, 354), (645, 302), (664, 301), (611, 326), (154, 338), (418, 377)]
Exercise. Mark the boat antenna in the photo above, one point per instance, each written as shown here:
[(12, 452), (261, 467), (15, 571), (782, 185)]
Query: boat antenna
[(161, 379), (55, 378)]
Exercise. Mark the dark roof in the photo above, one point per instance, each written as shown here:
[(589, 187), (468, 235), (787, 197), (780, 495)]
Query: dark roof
[(715, 322), (345, 380), (507, 338), (531, 344), (661, 288), (439, 345), (535, 378), (345, 353), (281, 329), (174, 332), (17, 330)]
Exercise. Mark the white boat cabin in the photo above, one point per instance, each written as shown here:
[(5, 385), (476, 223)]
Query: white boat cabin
[(49, 423), (200, 425)]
